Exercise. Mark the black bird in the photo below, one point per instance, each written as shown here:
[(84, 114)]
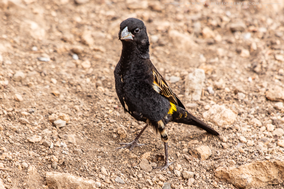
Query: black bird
[(142, 90)]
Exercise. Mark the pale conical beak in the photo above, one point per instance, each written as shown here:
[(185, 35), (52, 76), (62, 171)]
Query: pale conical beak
[(126, 35)]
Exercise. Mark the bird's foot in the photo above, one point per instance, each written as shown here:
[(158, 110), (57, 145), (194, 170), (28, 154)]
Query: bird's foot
[(130, 145), (167, 164)]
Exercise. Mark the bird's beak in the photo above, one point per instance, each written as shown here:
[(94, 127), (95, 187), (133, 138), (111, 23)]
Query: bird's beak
[(126, 35)]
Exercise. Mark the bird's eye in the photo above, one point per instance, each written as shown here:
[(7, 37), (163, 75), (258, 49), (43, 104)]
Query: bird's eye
[(137, 30)]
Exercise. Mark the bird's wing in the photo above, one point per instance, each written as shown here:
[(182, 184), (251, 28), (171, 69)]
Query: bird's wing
[(161, 87)]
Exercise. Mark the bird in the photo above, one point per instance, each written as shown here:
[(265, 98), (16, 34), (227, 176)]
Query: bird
[(143, 92)]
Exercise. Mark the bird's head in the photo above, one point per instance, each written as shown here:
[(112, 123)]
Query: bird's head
[(133, 30)]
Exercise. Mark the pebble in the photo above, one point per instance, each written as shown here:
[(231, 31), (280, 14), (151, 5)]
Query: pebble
[(280, 143), (245, 53), (134, 5), (55, 93), (24, 121), (278, 132), (187, 174), (191, 105), (278, 106), (86, 64), (177, 173), (190, 181), (174, 79), (18, 97), (98, 184), (275, 93), (64, 117), (104, 171), (144, 165), (279, 57), (207, 33), (34, 139), (75, 57), (241, 96), (243, 139), (202, 152), (167, 185), (59, 123), (194, 83), (34, 48), (19, 76), (238, 26), (54, 81), (270, 127), (25, 165), (256, 122), (44, 59), (210, 90), (154, 38), (80, 2), (54, 165), (119, 180)]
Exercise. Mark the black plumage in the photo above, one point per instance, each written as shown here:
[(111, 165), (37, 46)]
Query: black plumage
[(141, 89)]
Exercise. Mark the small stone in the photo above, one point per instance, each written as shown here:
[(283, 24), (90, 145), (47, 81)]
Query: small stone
[(219, 84), (52, 117), (75, 57), (87, 38), (154, 38), (187, 174), (34, 139), (77, 49), (207, 33), (174, 79), (64, 117), (279, 57), (146, 155), (80, 2), (243, 139), (191, 105), (18, 97), (202, 152), (59, 123), (167, 185), (86, 64), (24, 121), (71, 138), (134, 5), (177, 173), (19, 76), (278, 132), (245, 53), (275, 94), (270, 127), (98, 184), (194, 83), (241, 96), (220, 115), (238, 26), (34, 48), (256, 122), (119, 180), (144, 165), (280, 143), (278, 106), (54, 81), (210, 90), (122, 133), (54, 165), (44, 59), (25, 165), (190, 181), (55, 93), (104, 171)]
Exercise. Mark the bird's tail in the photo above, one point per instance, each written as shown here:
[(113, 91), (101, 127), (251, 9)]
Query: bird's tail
[(183, 116)]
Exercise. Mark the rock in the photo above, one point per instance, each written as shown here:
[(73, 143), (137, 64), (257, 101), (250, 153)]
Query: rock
[(2, 186), (33, 177), (174, 79), (256, 122), (167, 185), (243, 139), (237, 26), (59, 123), (156, 6), (18, 97), (210, 90), (77, 49), (55, 92), (122, 133), (182, 41), (187, 174), (132, 4), (71, 138), (24, 121), (244, 53), (219, 84), (19, 76), (144, 165), (241, 96), (80, 2), (154, 38), (146, 155), (66, 180), (280, 143), (278, 132), (25, 165), (253, 175), (194, 83), (119, 180), (278, 106), (207, 33), (75, 56), (86, 64), (34, 139), (190, 181), (177, 173), (43, 59), (64, 117), (202, 152), (269, 127), (104, 171), (275, 93), (220, 115), (279, 57), (35, 30), (87, 38)]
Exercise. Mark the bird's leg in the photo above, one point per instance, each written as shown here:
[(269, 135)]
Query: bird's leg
[(167, 164), (134, 143)]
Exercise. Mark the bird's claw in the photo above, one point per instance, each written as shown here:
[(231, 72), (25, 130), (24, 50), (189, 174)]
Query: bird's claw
[(130, 145), (165, 166)]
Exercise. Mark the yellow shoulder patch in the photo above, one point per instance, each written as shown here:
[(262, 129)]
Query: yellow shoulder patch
[(172, 109)]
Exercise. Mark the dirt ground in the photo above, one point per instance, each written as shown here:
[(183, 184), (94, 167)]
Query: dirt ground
[(59, 111)]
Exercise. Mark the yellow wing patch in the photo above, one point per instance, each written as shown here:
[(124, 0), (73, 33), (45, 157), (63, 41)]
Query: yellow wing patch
[(172, 109)]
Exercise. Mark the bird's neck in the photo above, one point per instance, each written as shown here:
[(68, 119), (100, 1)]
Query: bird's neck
[(131, 51)]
